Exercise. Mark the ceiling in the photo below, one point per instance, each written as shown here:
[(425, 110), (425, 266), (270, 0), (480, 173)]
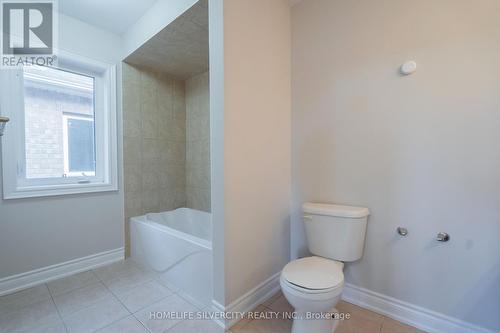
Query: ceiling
[(112, 15), (181, 48)]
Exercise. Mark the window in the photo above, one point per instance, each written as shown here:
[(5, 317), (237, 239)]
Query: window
[(62, 135), (79, 146)]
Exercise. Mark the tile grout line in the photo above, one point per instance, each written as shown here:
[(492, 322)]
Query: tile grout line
[(142, 324), (57, 309), (75, 289), (117, 299), (101, 282), (171, 328), (132, 313), (158, 301), (88, 306), (173, 293)]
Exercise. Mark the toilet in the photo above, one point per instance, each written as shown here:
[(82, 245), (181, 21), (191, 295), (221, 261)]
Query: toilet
[(313, 285)]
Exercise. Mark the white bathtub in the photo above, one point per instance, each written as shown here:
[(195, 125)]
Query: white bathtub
[(178, 246)]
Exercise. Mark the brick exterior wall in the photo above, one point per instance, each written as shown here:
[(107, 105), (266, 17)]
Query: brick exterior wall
[(44, 111)]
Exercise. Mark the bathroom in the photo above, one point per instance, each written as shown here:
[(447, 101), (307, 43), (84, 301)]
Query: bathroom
[(250, 166)]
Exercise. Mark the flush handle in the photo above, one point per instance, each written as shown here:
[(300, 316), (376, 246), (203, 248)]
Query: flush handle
[(443, 237)]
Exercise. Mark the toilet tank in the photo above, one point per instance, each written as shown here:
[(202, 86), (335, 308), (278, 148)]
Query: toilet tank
[(334, 231)]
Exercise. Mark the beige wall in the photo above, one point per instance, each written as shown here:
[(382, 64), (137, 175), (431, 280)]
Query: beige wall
[(198, 142), (154, 154), (420, 151), (257, 119)]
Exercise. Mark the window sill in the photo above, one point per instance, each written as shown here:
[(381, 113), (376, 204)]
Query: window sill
[(58, 190)]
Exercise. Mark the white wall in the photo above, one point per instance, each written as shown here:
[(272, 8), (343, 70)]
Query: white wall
[(216, 78), (257, 120), (84, 39), (419, 151), (161, 14), (36, 233)]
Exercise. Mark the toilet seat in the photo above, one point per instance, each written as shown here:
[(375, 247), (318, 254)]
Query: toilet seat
[(314, 275)]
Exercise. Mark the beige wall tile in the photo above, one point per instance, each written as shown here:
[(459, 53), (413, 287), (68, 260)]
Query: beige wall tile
[(131, 74), (198, 142), (132, 150), (151, 200), (150, 149), (133, 204), (133, 181), (127, 237), (132, 122)]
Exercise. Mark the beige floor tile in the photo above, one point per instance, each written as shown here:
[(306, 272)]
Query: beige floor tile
[(265, 326), (360, 321), (143, 295), (357, 312), (55, 327), (72, 282), (78, 299), (358, 325), (129, 281), (196, 326), (126, 325), (393, 326), (116, 270), (20, 299), (97, 316), (171, 304), (273, 298), (280, 304), (29, 317), (246, 320)]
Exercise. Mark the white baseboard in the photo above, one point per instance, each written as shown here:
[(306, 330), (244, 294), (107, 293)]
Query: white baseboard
[(219, 308), (248, 301), (421, 318), (25, 280)]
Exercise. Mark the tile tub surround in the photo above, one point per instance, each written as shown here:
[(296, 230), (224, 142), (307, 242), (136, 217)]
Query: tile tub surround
[(198, 142), (154, 121), (166, 143), (154, 142)]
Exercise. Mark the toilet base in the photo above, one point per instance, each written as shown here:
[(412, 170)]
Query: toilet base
[(303, 325)]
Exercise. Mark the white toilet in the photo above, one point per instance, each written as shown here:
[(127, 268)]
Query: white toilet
[(313, 285)]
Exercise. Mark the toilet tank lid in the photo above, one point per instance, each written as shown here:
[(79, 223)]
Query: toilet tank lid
[(335, 210)]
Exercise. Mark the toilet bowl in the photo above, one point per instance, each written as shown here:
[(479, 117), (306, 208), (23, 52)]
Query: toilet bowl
[(313, 285)]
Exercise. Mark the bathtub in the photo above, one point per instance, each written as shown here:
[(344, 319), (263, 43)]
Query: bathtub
[(177, 245)]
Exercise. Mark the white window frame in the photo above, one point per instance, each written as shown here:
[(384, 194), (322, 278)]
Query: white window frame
[(15, 183)]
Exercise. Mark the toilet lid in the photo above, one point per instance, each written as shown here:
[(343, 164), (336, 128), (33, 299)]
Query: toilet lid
[(314, 273)]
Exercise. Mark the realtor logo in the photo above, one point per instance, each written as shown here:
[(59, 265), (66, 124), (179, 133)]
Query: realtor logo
[(28, 29)]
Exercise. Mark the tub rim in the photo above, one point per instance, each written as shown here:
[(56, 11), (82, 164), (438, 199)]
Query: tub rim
[(143, 219)]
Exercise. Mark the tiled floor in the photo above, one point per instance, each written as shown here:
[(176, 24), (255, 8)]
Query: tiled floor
[(361, 321), (115, 298), (121, 297)]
